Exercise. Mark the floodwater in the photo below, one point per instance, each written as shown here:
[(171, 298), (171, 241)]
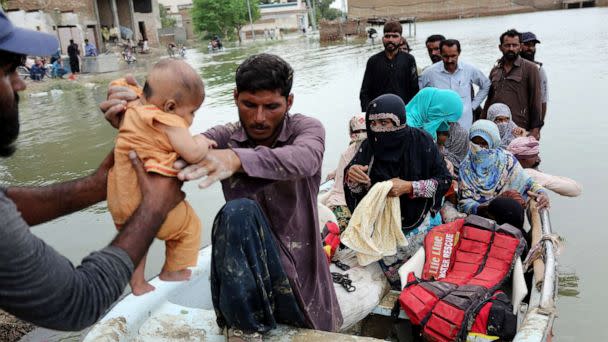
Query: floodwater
[(65, 136)]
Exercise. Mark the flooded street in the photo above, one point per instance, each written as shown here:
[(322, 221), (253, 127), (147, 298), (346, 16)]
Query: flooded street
[(65, 136)]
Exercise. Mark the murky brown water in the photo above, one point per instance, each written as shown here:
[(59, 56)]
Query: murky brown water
[(65, 136)]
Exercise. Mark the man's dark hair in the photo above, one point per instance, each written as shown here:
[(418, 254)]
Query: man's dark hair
[(510, 33), (86, 40), (264, 72), (71, 41), (449, 43), (393, 26), (434, 38)]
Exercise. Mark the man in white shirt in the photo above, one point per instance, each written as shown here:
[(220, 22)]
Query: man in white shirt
[(457, 76)]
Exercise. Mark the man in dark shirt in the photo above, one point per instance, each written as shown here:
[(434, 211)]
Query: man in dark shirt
[(391, 71), (516, 83), (73, 53), (37, 284)]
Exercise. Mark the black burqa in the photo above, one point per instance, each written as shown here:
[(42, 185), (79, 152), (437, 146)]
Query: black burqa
[(403, 152)]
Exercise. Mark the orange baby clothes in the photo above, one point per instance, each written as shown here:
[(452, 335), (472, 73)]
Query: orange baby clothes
[(181, 232)]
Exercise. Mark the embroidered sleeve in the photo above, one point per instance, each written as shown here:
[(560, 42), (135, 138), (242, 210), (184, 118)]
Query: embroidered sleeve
[(424, 188)]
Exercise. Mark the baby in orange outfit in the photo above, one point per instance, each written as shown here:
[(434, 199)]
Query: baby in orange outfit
[(156, 127)]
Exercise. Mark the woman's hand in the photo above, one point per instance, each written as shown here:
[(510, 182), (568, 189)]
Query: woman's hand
[(519, 132), (358, 174), (400, 188), (331, 175), (542, 200)]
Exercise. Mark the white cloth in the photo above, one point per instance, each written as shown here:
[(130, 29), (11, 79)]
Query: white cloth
[(374, 230), (336, 196)]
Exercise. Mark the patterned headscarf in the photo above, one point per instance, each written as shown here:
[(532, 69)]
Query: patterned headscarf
[(505, 129), (387, 142), (357, 128), (432, 109), (486, 172)]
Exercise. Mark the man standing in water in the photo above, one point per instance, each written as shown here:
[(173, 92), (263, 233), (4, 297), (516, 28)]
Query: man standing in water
[(267, 265), (37, 284), (73, 53), (391, 71), (458, 76), (528, 51), (516, 83)]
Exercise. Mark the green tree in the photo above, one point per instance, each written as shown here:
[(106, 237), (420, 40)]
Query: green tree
[(4, 4), (165, 19), (224, 17), (325, 11)]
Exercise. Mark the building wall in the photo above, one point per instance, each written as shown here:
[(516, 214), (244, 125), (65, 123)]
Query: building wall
[(436, 9), (82, 7)]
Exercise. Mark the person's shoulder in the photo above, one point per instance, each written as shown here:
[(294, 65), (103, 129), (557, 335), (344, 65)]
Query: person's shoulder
[(302, 121), (421, 135)]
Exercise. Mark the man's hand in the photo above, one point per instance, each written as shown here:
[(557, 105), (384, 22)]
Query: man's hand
[(114, 107), (400, 187), (217, 165), (519, 132), (358, 174), (542, 200), (158, 192)]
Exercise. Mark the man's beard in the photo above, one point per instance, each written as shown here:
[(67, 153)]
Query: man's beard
[(390, 47), (527, 55), (435, 58), (510, 56), (9, 128)]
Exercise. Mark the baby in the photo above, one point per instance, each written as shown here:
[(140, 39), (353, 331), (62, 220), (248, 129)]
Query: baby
[(156, 127)]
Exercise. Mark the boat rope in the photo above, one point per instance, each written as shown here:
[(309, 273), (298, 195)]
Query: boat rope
[(538, 250)]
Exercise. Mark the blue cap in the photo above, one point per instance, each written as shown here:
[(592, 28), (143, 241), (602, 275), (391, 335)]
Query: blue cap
[(24, 41), (529, 37)]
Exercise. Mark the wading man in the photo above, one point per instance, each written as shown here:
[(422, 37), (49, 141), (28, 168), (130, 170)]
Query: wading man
[(516, 83), (528, 51), (458, 76), (268, 266), (37, 284), (391, 71)]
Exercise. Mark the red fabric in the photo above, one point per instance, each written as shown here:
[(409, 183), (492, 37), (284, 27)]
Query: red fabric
[(417, 302), (331, 242), (481, 321), (439, 244), (445, 328)]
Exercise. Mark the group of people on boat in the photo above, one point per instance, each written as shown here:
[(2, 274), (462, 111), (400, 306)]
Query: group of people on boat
[(268, 265)]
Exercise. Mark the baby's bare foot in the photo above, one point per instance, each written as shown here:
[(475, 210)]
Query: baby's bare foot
[(180, 275), (140, 288)]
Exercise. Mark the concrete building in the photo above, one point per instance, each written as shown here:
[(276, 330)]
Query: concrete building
[(444, 9), (80, 19), (180, 11), (286, 15)]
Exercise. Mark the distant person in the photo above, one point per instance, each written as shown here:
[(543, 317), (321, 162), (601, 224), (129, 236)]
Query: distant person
[(73, 53), (432, 47), (171, 49), (37, 71), (516, 83), (390, 71), (405, 46), (37, 284), (114, 34), (89, 49), (58, 68), (55, 56), (526, 150), (105, 34), (528, 51), (459, 77), (156, 126)]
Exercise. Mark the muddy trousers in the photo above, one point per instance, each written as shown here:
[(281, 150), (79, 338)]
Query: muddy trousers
[(249, 288)]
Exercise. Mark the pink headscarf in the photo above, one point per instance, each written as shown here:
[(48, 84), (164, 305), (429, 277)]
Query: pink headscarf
[(524, 147), (357, 123)]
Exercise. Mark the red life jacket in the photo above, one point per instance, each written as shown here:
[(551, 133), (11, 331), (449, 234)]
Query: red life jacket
[(466, 261)]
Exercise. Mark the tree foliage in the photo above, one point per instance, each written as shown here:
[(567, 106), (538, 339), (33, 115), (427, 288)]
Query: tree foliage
[(165, 19), (223, 17), (325, 11)]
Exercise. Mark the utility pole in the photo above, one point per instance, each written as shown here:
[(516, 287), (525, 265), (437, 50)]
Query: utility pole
[(250, 20), (311, 11)]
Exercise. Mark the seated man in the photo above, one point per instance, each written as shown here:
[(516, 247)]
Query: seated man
[(270, 167), (58, 68), (37, 71)]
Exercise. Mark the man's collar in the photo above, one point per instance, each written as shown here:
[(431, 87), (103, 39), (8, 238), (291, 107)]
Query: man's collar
[(443, 69)]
